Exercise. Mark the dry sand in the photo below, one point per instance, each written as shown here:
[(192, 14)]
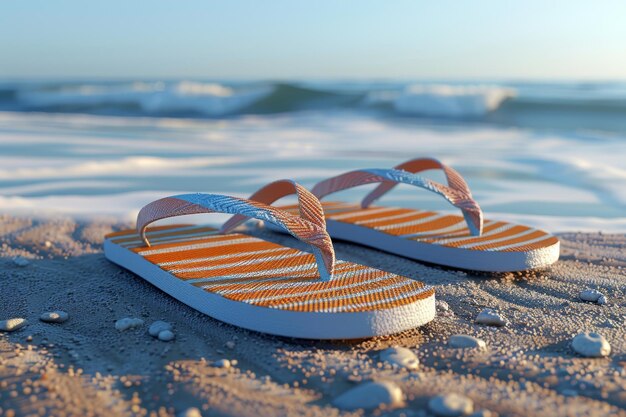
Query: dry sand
[(85, 367)]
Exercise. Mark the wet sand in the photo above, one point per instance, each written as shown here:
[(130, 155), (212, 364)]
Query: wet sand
[(86, 367)]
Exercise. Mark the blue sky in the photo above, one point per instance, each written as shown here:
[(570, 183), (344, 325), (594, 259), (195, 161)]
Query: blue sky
[(313, 39)]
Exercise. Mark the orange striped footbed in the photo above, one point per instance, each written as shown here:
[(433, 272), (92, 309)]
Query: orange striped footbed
[(247, 269), (438, 228)]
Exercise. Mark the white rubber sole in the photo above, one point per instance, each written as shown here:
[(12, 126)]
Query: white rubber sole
[(476, 260), (305, 325)]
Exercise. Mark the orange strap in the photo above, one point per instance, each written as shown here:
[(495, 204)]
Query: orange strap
[(302, 229), (308, 205)]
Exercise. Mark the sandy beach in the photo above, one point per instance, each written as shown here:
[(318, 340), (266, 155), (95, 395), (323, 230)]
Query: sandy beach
[(85, 366), (118, 114)]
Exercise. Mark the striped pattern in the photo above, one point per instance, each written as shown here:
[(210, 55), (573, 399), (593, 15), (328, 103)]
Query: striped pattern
[(454, 179), (438, 228), (301, 228), (250, 270), (309, 207), (458, 195)]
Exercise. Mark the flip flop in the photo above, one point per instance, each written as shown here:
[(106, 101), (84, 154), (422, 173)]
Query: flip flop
[(466, 242), (263, 286)]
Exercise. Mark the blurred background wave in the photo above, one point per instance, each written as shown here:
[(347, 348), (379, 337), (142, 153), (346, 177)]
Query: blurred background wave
[(107, 106), (575, 105)]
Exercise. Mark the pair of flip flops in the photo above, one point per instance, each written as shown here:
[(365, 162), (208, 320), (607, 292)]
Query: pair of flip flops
[(263, 286)]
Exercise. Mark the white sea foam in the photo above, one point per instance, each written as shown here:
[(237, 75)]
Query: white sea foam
[(52, 187), (447, 100), (94, 165), (203, 89), (209, 99), (123, 206), (136, 165), (206, 98)]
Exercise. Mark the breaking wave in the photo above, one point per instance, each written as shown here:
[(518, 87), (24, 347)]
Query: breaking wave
[(599, 104), (444, 100)]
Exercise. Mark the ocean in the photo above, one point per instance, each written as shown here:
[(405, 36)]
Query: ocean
[(549, 154)]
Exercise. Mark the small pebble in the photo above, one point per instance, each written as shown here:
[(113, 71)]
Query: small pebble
[(190, 412), (223, 363), (400, 357), (593, 296), (451, 405), (465, 341), (128, 323), (56, 316), (441, 305), (230, 344), (166, 336), (491, 317), (483, 413), (157, 327), (21, 261), (443, 309), (591, 345), (11, 325), (370, 395)]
